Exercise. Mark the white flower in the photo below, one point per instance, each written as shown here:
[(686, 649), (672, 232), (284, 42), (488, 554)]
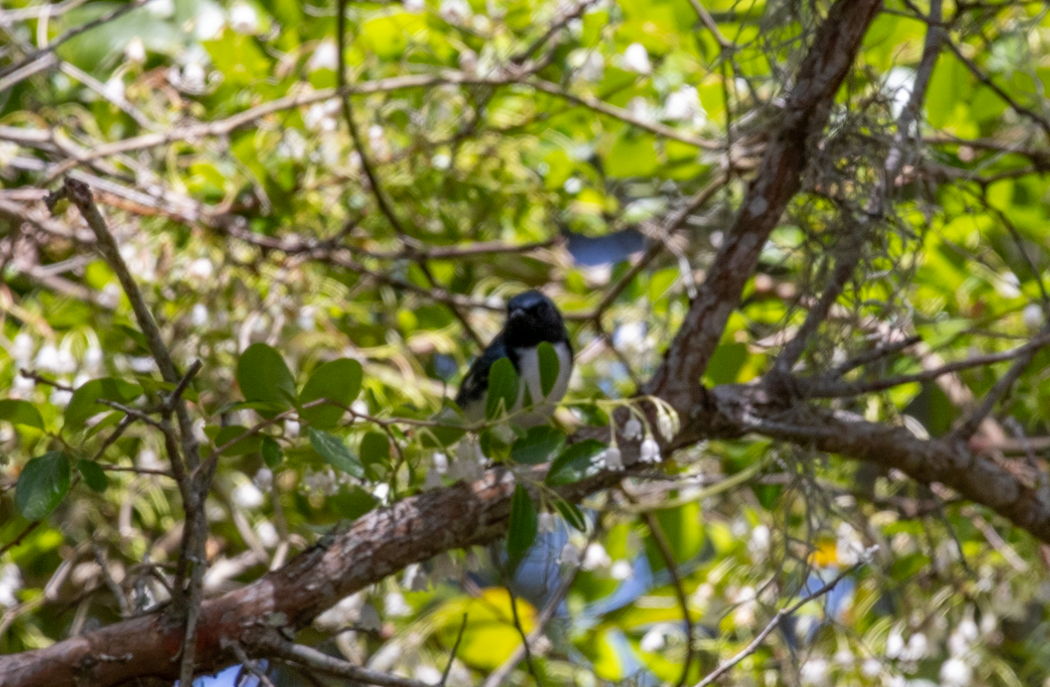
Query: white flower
[(455, 11), (759, 543), (325, 56), (264, 478), (22, 349), (382, 492), (621, 570), (916, 648), (142, 364), (247, 495), (610, 459), (570, 555), (305, 320), (596, 557), (894, 644), (870, 667), (683, 105), (814, 672), (441, 161), (147, 459), (60, 397), (267, 534), (632, 429), (10, 583), (642, 109), (47, 358), (193, 77), (113, 89), (654, 640), (573, 185), (636, 59), (955, 673), (545, 523), (243, 18), (135, 51), (201, 268), (1032, 316), (162, 9), (199, 315), (291, 428), (92, 358), (649, 452), (414, 5), (210, 22)]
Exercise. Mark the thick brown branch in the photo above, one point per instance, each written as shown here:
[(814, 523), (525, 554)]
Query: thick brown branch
[(779, 178)]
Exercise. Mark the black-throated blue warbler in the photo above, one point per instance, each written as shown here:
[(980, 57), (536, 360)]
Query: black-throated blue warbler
[(532, 319)]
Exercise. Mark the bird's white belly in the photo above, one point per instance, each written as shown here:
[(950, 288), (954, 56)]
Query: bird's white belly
[(529, 371)]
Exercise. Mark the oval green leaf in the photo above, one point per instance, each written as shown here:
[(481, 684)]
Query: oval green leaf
[(572, 514), (503, 388), (93, 475), (335, 452), (264, 377), (271, 452), (20, 412), (339, 381), (549, 367), (575, 463), (43, 484), (523, 523), (84, 403), (540, 445)]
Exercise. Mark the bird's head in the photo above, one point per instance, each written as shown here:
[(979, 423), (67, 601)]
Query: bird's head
[(532, 318)]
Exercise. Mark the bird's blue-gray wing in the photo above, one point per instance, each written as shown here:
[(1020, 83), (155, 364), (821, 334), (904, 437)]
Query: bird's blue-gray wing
[(476, 383)]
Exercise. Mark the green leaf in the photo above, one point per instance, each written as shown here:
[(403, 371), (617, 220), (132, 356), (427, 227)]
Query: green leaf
[(243, 447), (20, 413), (571, 513), (43, 484), (263, 376), (339, 381), (549, 367), (93, 475), (575, 463), (375, 450), (84, 404), (503, 388), (523, 523), (541, 444), (271, 452), (335, 452)]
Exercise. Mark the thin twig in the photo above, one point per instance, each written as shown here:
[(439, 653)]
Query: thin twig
[(773, 624), (323, 663), (246, 661), (452, 656)]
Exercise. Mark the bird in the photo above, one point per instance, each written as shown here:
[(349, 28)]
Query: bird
[(532, 319)]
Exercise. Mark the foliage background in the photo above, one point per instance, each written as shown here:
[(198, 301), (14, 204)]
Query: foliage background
[(525, 145)]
